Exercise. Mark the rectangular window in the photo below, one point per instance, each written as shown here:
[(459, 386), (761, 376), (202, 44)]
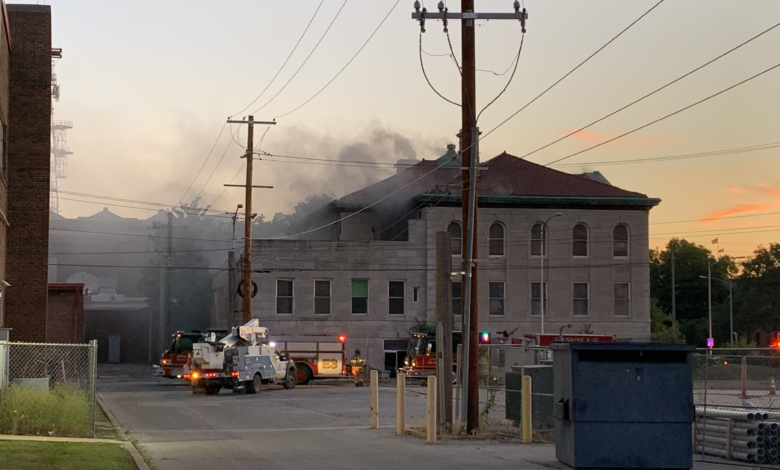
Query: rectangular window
[(536, 300), (322, 297), (622, 299), (496, 298), (284, 296), (581, 307), (396, 297), (457, 298), (360, 296)]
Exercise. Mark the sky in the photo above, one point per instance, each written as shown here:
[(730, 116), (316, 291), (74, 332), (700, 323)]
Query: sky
[(149, 85)]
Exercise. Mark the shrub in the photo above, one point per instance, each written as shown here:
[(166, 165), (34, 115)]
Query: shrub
[(61, 411)]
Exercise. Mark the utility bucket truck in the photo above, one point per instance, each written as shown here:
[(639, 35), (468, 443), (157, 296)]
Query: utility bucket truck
[(242, 361)]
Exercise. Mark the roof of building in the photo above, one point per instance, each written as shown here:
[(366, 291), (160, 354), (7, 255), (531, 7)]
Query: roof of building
[(505, 176), (105, 214)]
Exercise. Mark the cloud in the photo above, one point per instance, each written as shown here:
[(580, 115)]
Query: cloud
[(711, 218), (748, 190)]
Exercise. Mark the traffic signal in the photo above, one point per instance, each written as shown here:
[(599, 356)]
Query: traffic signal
[(484, 337)]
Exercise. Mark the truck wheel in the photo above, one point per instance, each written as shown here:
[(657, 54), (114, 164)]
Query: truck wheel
[(304, 374), (290, 379), (212, 389), (255, 385)]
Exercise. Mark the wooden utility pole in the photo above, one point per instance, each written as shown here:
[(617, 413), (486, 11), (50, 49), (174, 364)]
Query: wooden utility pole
[(231, 314), (250, 153), (444, 327), (469, 160)]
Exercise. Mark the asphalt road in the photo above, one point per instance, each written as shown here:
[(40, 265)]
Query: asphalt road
[(309, 427)]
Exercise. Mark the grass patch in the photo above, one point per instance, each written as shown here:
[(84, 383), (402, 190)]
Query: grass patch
[(100, 415), (61, 411), (26, 455), (106, 433)]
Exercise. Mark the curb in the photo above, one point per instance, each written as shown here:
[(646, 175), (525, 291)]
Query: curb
[(139, 461)]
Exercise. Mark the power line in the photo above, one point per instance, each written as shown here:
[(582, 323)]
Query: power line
[(204, 163), (345, 66), (304, 61), (59, 229), (651, 93), (517, 61), (637, 128), (574, 69), (215, 169), (422, 66), (712, 153), (113, 204), (285, 61)]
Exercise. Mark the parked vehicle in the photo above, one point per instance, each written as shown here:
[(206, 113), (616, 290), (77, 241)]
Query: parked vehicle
[(242, 361), (315, 357), (420, 361), (174, 359)]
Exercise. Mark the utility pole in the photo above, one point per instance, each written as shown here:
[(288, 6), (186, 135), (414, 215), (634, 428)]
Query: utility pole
[(469, 158), (674, 297), (231, 317), (164, 294), (444, 328), (250, 152)]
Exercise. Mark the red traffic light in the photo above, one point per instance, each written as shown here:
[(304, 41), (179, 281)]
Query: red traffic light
[(342, 338)]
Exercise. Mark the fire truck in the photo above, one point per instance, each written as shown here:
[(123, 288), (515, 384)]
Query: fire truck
[(420, 361), (173, 360), (544, 340), (315, 357)]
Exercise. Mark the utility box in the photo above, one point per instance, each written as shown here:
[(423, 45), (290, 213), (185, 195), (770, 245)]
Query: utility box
[(623, 405), (541, 389)]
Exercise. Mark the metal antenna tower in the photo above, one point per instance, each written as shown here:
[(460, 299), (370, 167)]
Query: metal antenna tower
[(59, 149)]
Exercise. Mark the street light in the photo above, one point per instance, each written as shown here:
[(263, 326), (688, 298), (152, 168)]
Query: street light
[(731, 308), (542, 250), (235, 216)]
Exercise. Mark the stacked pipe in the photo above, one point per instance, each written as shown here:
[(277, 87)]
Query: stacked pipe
[(751, 436)]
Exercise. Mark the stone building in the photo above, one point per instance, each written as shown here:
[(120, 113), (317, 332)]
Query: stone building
[(367, 268)]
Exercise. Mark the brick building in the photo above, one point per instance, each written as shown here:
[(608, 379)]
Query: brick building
[(65, 313), (369, 272), (25, 89)]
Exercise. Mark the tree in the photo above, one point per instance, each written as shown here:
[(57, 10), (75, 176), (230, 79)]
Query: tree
[(196, 255), (756, 293), (661, 328), (691, 289)]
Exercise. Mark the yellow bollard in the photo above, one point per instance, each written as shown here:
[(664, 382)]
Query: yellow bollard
[(374, 399), (400, 412), (432, 425), (525, 410)]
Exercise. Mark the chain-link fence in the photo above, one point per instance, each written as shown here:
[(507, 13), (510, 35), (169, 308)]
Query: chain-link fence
[(501, 367), (48, 389), (737, 378)]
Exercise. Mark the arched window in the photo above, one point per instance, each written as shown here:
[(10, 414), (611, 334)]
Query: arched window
[(579, 242), (455, 237), (620, 241), (496, 243), (538, 241)]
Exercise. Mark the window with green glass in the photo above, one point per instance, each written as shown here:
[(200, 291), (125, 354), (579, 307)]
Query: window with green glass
[(360, 296)]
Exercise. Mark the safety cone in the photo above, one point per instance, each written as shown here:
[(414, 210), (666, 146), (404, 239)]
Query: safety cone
[(772, 386)]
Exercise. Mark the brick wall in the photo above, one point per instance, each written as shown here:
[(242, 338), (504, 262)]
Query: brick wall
[(29, 117), (65, 314)]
